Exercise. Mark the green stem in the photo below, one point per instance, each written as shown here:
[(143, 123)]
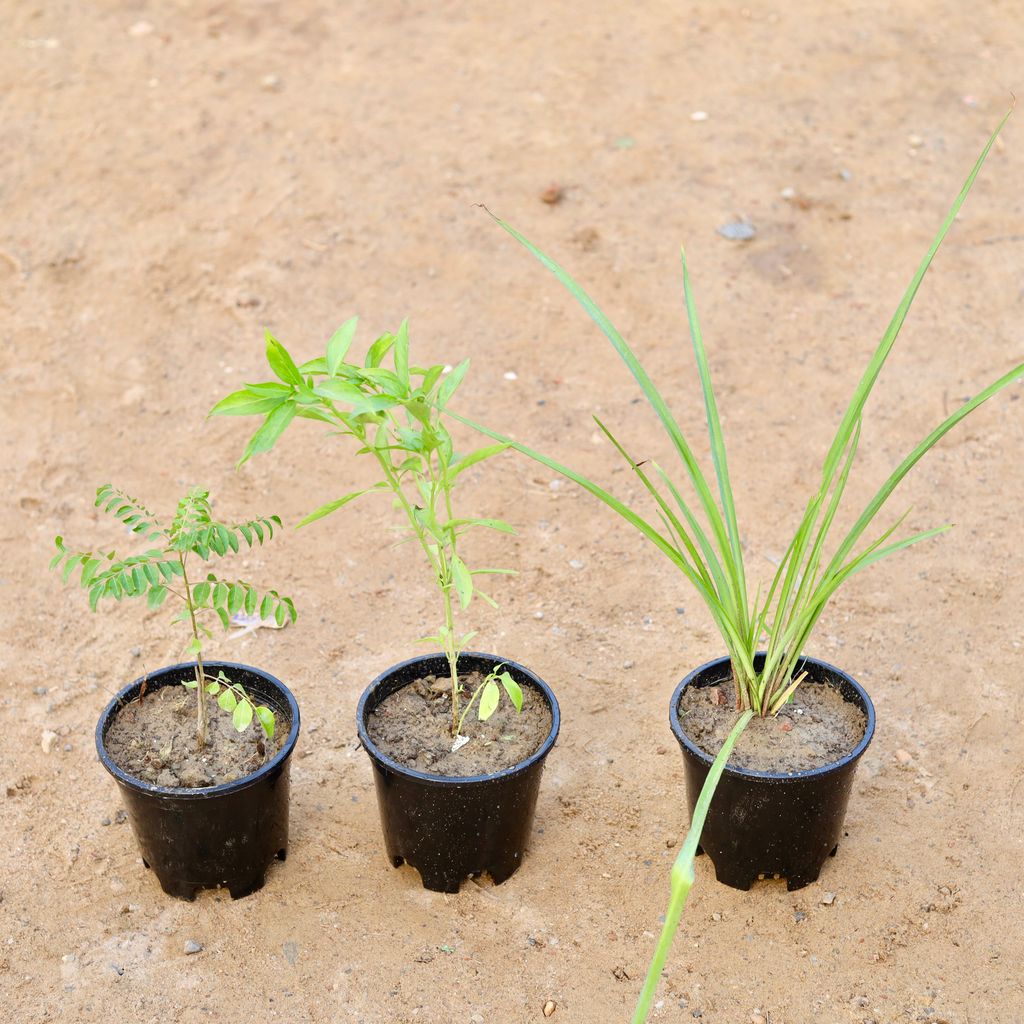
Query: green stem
[(441, 572), (453, 656), (200, 673), (453, 651), (682, 871), (469, 703)]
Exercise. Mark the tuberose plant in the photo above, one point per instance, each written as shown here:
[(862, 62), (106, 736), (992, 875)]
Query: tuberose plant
[(163, 571), (709, 554), (396, 416)]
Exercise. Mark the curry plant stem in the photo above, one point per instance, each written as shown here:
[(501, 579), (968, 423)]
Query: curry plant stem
[(200, 676)]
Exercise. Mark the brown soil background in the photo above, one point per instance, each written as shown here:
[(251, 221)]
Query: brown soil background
[(168, 193)]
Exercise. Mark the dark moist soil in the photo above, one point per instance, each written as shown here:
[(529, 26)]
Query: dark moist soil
[(155, 740), (413, 727), (814, 729)]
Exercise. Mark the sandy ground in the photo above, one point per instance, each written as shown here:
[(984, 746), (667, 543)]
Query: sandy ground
[(177, 176)]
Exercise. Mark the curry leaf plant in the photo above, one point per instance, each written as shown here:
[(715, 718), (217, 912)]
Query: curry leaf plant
[(396, 416), (701, 536), (162, 571)]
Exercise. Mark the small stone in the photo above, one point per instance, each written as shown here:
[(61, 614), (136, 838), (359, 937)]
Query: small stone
[(549, 1007), (291, 952), (104, 821), (272, 83), (915, 141), (477, 1018), (799, 915), (538, 615), (670, 842), (785, 725), (699, 115), (67, 748), (575, 563), (628, 664), (191, 946), (788, 192), (121, 816), (903, 757), (141, 28), (758, 1018), (510, 375), (136, 652), (41, 691), (845, 174), (737, 231), (716, 916), (860, 1001), (552, 194), (133, 395), (117, 969), (47, 740), (555, 485), (828, 899)]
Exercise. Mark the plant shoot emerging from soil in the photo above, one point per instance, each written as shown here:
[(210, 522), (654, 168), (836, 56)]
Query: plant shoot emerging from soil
[(163, 571), (709, 553), (396, 416)]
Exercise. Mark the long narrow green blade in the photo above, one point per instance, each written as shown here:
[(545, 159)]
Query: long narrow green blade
[(651, 393), (682, 871), (874, 367), (718, 454), (913, 458)]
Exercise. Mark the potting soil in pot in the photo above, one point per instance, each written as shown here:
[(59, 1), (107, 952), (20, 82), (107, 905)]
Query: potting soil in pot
[(154, 739), (413, 726), (815, 728)]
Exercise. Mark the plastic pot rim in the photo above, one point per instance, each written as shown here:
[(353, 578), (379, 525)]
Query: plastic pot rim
[(127, 694), (462, 780), (750, 773)]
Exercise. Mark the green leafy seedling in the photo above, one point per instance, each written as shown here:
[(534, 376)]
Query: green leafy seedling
[(489, 694), (395, 414), (162, 571), (709, 553)]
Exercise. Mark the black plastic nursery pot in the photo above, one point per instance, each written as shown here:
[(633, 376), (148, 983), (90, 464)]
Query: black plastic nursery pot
[(219, 836), (762, 824), (452, 827)]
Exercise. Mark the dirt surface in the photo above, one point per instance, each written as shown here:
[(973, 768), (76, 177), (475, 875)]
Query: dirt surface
[(413, 726), (815, 728), (155, 740), (177, 177)]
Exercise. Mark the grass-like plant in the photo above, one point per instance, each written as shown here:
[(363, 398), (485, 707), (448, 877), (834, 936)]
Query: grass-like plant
[(709, 554), (163, 571), (396, 415)]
